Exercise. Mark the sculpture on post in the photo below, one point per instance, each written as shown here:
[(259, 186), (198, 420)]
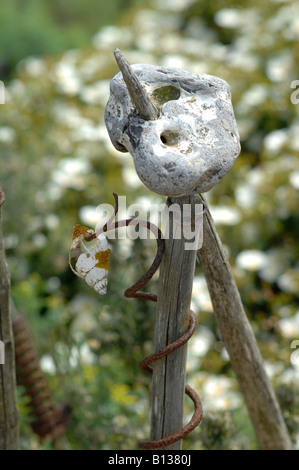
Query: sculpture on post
[(181, 132), (193, 140)]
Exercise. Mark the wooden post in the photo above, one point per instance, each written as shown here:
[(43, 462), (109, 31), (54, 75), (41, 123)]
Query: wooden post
[(174, 295), (240, 342), (8, 405)]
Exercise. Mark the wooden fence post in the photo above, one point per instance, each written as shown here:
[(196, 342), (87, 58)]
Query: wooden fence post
[(9, 434), (172, 319)]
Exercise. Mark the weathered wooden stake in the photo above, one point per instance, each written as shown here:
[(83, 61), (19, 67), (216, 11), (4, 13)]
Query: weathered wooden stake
[(9, 435), (240, 342), (174, 295)]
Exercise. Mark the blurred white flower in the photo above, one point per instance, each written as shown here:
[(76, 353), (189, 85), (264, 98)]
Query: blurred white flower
[(11, 241), (74, 356), (254, 96), (71, 173), (217, 385), (66, 114), (148, 42), (294, 179), (97, 93), (289, 327), (171, 44), (86, 354), (67, 79), (217, 393), (39, 240), (200, 343), (252, 260), (7, 134), (112, 36), (228, 17), (230, 401), (17, 88), (289, 281), (54, 192), (91, 65), (273, 267), (275, 140), (273, 368), (285, 20), (245, 196), (125, 247), (154, 21), (88, 132), (256, 177), (175, 60), (47, 364), (172, 5), (247, 62), (90, 215), (290, 376), (34, 66), (84, 321), (285, 311), (201, 299), (53, 284), (71, 56), (279, 68), (130, 177), (52, 221), (225, 215)]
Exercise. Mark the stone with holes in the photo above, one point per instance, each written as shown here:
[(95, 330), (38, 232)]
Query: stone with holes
[(192, 144)]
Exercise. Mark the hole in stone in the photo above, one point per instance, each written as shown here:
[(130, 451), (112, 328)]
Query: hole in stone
[(163, 139), (120, 147), (170, 138)]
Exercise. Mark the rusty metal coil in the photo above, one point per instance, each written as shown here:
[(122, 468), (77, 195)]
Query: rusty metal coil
[(47, 421), (134, 292)]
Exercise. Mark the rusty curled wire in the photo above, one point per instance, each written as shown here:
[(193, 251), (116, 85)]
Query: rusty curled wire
[(47, 421), (134, 292)]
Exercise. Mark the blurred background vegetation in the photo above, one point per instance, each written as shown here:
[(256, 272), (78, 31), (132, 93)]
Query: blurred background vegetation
[(57, 166)]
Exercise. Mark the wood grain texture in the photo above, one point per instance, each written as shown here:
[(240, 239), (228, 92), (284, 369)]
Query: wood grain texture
[(240, 342), (8, 405), (174, 295)]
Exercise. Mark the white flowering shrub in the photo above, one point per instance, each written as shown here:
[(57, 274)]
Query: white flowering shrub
[(57, 165)]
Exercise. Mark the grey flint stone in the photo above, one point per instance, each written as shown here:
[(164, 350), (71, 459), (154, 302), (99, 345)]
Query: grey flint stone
[(192, 144)]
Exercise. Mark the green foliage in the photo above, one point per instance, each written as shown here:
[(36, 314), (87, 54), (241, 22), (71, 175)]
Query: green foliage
[(35, 27), (57, 165)]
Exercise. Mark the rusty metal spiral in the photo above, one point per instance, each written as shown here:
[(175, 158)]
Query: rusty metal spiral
[(47, 421), (134, 292)]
